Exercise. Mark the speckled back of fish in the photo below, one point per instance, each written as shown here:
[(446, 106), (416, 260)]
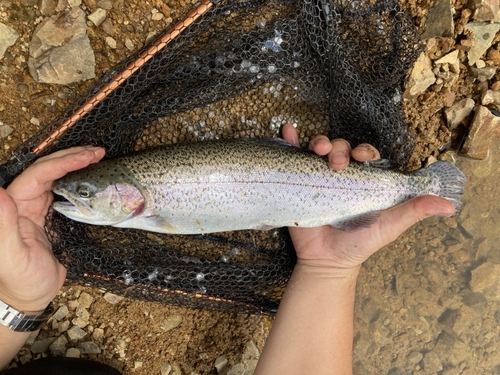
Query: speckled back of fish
[(219, 186)]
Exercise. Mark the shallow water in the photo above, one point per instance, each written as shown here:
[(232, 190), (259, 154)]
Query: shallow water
[(430, 302)]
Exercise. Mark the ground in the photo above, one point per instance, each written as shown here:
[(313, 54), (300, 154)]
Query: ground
[(417, 311)]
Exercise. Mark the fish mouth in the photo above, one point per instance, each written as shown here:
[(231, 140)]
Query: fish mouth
[(72, 207)]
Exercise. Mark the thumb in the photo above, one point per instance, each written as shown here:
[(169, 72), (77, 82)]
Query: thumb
[(398, 219)]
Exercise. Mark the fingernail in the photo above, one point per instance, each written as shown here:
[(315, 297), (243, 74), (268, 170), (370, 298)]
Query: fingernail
[(338, 158), (368, 149)]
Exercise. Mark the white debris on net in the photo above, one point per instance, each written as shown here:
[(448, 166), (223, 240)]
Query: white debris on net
[(278, 121)]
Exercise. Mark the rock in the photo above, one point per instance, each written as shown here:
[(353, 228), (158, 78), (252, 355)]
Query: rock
[(47, 7), (32, 337), (165, 369), (60, 313), (98, 334), (76, 333), (432, 364), (221, 364), (156, 15), (486, 279), (421, 78), (85, 300), (88, 347), (63, 326), (129, 44), (108, 28), (484, 127), (415, 357), (439, 22), (251, 351), (60, 50), (42, 346), (111, 42), (447, 68), (73, 353), (457, 112), (483, 74), (486, 10), (176, 370), (105, 4), (8, 37), (112, 298), (58, 347), (170, 323), (98, 16), (5, 130), (482, 35), (138, 365)]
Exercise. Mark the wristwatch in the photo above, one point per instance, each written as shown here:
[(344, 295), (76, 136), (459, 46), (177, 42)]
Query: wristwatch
[(19, 321)]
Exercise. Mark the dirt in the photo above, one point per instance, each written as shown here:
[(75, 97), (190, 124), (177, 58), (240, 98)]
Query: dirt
[(416, 312)]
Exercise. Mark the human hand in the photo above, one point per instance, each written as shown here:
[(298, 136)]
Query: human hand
[(30, 275), (331, 247)]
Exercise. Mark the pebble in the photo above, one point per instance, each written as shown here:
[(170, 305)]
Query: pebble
[(76, 333), (73, 353), (486, 279), (458, 112), (98, 16), (112, 298), (221, 363), (165, 369), (98, 334), (85, 300), (129, 44), (63, 326), (421, 78), (5, 130), (415, 357), (58, 347), (432, 364), (88, 347), (486, 11), (42, 346), (60, 313), (111, 42), (105, 4)]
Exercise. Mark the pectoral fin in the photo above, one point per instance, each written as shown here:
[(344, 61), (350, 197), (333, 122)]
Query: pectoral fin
[(359, 222)]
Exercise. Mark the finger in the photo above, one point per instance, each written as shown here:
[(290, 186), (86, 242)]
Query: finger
[(339, 155), (321, 145), (396, 220), (289, 134), (8, 214), (365, 152), (39, 177)]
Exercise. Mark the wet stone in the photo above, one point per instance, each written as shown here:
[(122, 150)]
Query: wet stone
[(97, 17), (170, 323), (63, 326), (415, 357), (486, 10), (5, 130), (486, 279), (432, 364), (484, 127), (166, 369), (221, 363)]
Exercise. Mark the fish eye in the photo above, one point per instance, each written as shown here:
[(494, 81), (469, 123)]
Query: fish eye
[(84, 191)]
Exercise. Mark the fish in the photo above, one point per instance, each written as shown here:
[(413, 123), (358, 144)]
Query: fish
[(242, 184)]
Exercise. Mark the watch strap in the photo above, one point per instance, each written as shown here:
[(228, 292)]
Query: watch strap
[(20, 321)]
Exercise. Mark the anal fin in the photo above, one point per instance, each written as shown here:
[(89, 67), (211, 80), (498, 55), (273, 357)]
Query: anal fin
[(358, 222)]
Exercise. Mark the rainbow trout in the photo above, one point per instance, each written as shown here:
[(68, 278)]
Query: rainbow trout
[(217, 186)]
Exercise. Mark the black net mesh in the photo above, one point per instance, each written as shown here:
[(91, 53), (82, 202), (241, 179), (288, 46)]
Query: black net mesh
[(231, 69)]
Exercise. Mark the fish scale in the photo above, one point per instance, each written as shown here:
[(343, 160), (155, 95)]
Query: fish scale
[(217, 186)]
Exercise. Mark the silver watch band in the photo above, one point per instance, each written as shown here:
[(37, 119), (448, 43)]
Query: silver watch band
[(19, 321)]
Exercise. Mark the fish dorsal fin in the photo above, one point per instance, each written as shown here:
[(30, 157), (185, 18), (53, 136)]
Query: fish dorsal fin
[(358, 222)]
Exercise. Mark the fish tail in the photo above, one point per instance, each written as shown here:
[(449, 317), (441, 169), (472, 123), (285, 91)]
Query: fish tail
[(451, 181)]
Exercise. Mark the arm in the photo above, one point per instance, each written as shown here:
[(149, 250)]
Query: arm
[(30, 275), (313, 330)]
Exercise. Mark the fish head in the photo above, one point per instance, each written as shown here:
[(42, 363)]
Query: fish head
[(99, 194)]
